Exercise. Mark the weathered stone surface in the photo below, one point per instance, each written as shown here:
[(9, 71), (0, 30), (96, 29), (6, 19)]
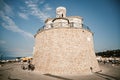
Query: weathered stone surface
[(64, 51), (63, 46)]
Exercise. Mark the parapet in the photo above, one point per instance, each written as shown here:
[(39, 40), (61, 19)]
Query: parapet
[(62, 20)]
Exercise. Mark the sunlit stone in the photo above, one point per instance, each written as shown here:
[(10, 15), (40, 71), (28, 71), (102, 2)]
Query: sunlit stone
[(64, 46)]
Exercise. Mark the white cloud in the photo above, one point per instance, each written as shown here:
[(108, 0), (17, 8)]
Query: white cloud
[(47, 7), (9, 24), (40, 1), (6, 8), (2, 42), (23, 15), (5, 14), (35, 10)]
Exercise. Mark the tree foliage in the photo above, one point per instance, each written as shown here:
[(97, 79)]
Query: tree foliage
[(109, 53)]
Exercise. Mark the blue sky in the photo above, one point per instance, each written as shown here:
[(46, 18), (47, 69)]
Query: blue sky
[(20, 19)]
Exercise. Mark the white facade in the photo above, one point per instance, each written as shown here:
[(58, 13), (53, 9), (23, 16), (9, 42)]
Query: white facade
[(62, 21), (61, 12)]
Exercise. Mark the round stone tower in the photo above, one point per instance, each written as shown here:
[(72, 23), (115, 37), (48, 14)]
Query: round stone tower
[(64, 46)]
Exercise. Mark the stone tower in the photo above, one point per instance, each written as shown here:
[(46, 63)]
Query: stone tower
[(64, 46)]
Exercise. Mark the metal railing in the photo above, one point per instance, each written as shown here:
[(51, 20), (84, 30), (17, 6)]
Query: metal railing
[(64, 24), (86, 27)]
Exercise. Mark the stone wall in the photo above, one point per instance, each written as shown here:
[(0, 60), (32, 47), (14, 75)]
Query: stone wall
[(64, 51)]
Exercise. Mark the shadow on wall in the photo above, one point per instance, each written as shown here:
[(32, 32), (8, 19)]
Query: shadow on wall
[(59, 77)]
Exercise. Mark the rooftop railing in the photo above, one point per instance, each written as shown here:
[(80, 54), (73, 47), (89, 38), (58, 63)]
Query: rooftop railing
[(63, 24), (86, 27)]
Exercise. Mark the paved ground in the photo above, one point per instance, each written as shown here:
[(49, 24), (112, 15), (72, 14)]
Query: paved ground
[(13, 71)]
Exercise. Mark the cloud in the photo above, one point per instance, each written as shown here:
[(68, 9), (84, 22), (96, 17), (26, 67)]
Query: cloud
[(47, 7), (36, 11), (23, 15), (2, 42), (5, 14), (38, 1), (9, 24), (6, 8)]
